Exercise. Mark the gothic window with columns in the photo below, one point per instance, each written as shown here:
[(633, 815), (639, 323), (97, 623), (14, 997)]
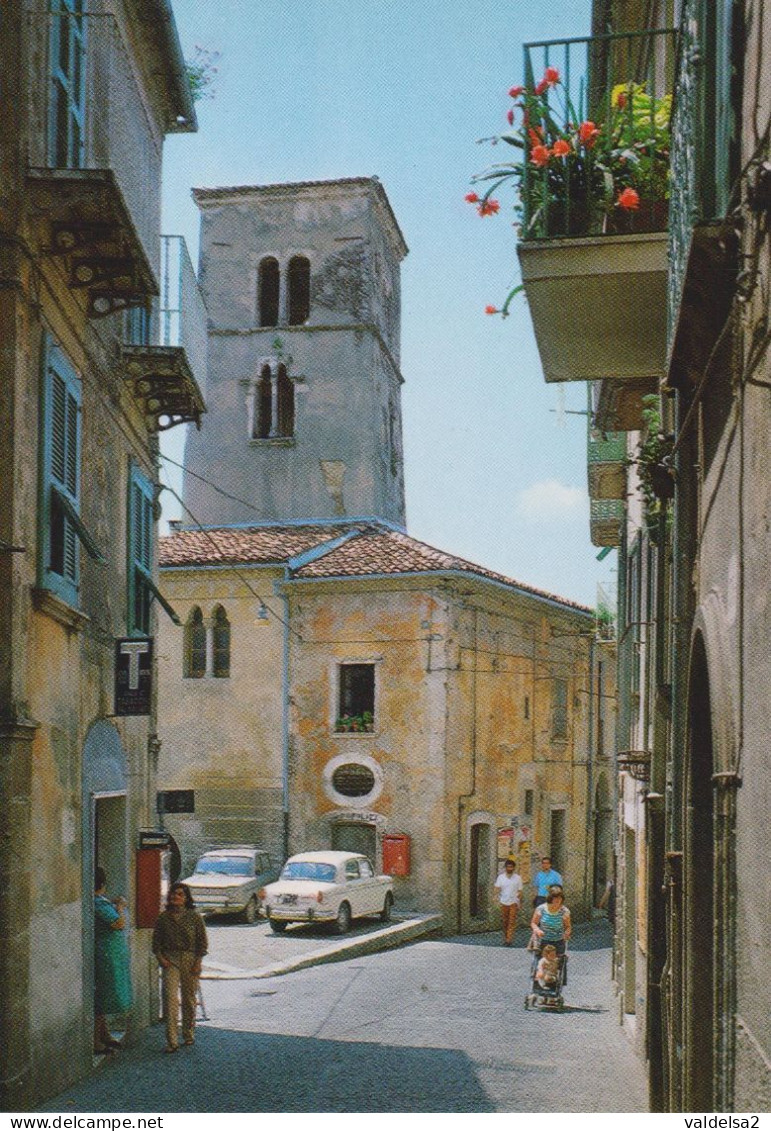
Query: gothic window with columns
[(195, 645), (270, 404), (220, 644)]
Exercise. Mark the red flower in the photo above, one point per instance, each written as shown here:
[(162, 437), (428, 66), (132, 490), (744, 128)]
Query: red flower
[(628, 199), (516, 91), (541, 86), (510, 117), (488, 208), (471, 198), (552, 76), (620, 100), (560, 148), (587, 134), (539, 155), (535, 135), (491, 310)]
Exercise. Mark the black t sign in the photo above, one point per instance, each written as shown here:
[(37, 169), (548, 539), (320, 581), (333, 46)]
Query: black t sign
[(133, 676)]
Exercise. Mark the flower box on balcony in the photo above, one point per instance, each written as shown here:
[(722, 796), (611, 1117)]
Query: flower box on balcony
[(598, 305)]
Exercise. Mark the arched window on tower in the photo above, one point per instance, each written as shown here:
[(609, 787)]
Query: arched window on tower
[(268, 291), (221, 643), (299, 290), (264, 406), (285, 403), (195, 646)]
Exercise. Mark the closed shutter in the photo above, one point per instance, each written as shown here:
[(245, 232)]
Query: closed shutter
[(140, 545), (60, 503)]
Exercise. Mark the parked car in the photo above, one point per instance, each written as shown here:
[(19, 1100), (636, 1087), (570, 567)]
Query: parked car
[(327, 887), (227, 881)]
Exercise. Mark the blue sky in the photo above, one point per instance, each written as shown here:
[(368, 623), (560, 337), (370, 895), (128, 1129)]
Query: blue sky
[(402, 89)]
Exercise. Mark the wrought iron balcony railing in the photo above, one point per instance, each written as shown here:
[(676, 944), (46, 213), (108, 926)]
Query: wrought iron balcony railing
[(596, 137)]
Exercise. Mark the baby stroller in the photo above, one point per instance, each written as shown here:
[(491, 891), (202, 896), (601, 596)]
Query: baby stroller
[(546, 997)]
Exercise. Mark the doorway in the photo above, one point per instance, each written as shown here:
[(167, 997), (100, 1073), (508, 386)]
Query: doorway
[(479, 871), (603, 839), (355, 836)]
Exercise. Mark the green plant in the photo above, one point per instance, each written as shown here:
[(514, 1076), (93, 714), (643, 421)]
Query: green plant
[(657, 482), (201, 71)]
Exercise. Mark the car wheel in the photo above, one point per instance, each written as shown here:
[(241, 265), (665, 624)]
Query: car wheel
[(250, 911), (343, 920), (388, 903), (278, 926)]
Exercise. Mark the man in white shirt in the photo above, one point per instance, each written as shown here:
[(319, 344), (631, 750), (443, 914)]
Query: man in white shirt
[(509, 888)]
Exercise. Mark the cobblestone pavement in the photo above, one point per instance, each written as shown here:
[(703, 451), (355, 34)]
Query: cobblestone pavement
[(437, 1026)]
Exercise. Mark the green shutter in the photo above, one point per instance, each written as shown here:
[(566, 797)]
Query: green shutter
[(140, 552)]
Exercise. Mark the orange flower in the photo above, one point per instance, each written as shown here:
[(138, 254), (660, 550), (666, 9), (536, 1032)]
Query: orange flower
[(628, 199), (535, 135), (488, 208), (539, 155), (552, 76), (541, 87), (471, 198), (560, 148), (587, 133), (491, 310)]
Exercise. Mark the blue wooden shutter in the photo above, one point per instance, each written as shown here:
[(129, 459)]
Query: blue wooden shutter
[(141, 521), (60, 480)]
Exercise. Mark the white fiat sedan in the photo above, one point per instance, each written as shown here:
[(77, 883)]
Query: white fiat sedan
[(326, 887)]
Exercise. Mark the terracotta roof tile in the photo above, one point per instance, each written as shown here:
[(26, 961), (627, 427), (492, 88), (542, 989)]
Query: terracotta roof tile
[(369, 549)]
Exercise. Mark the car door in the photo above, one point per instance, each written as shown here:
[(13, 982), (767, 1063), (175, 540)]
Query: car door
[(371, 895), (353, 886)]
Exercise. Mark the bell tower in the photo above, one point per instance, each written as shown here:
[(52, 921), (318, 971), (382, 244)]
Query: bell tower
[(302, 287)]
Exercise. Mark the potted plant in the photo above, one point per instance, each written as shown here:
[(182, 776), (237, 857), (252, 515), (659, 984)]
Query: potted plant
[(575, 176), (657, 477)]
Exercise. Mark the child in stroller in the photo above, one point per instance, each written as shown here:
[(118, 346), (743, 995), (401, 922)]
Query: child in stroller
[(552, 928)]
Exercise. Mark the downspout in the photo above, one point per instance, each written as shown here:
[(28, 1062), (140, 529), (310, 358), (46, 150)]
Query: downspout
[(591, 816), (464, 797), (285, 725)]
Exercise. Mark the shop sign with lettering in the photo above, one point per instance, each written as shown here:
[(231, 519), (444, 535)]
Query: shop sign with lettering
[(133, 676)]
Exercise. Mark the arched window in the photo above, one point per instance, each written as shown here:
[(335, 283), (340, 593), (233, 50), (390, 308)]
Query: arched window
[(285, 403), (268, 291), (195, 646), (264, 407), (221, 642), (299, 290)]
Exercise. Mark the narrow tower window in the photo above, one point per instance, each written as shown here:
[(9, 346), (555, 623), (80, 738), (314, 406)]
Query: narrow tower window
[(221, 642), (268, 287), (299, 290), (285, 403), (195, 646), (264, 413)]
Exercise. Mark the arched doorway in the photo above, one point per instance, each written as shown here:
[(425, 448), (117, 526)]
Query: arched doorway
[(699, 883)]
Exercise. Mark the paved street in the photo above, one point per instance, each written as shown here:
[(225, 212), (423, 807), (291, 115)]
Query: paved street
[(437, 1026)]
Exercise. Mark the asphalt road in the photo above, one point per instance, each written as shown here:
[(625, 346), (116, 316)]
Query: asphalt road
[(437, 1026)]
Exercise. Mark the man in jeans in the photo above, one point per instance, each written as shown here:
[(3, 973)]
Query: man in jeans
[(543, 880), (509, 888)]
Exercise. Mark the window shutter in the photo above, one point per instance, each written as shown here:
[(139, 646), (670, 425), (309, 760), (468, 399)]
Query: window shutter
[(59, 502), (140, 553)]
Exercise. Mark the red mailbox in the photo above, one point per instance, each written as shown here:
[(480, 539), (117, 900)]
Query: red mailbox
[(152, 884), (396, 854)]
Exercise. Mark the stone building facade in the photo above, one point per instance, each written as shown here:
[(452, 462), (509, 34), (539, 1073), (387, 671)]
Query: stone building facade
[(80, 251)]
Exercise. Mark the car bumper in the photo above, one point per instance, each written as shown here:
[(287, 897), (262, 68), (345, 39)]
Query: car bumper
[(209, 907), (299, 914)]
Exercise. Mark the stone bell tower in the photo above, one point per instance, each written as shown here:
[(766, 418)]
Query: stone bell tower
[(304, 421)]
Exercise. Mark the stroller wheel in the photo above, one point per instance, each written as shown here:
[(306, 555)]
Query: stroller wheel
[(561, 1002), (527, 1001)]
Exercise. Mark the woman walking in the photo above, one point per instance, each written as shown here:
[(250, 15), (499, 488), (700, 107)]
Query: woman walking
[(179, 944), (112, 981)]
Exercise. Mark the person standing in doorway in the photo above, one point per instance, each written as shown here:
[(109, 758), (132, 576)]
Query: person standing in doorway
[(543, 880), (179, 944), (112, 980), (509, 888)]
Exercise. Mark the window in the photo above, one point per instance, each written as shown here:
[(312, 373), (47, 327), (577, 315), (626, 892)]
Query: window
[(528, 802), (557, 841), (299, 290), (61, 527), (527, 706), (357, 694), (195, 646), (353, 780), (559, 715), (365, 868), (268, 291), (221, 643), (141, 520), (351, 870), (273, 404), (285, 422), (137, 326), (67, 85), (264, 406)]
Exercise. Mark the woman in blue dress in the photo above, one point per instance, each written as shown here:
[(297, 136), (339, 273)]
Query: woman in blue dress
[(112, 979)]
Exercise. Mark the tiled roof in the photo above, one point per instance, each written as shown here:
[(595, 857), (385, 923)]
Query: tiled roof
[(243, 545), (367, 549)]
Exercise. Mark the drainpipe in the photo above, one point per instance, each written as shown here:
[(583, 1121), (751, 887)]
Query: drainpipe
[(590, 752), (464, 797), (285, 727)]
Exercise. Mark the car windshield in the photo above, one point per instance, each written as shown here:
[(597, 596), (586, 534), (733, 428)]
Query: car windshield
[(309, 870), (224, 866)]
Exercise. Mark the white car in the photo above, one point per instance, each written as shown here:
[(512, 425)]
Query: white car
[(326, 887), (226, 881)]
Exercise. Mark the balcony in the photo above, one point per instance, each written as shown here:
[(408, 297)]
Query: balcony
[(605, 519), (168, 376), (94, 155), (606, 463), (594, 186)]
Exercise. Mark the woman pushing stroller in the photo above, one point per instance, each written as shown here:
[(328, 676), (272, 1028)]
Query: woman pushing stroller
[(551, 921), (552, 928)]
